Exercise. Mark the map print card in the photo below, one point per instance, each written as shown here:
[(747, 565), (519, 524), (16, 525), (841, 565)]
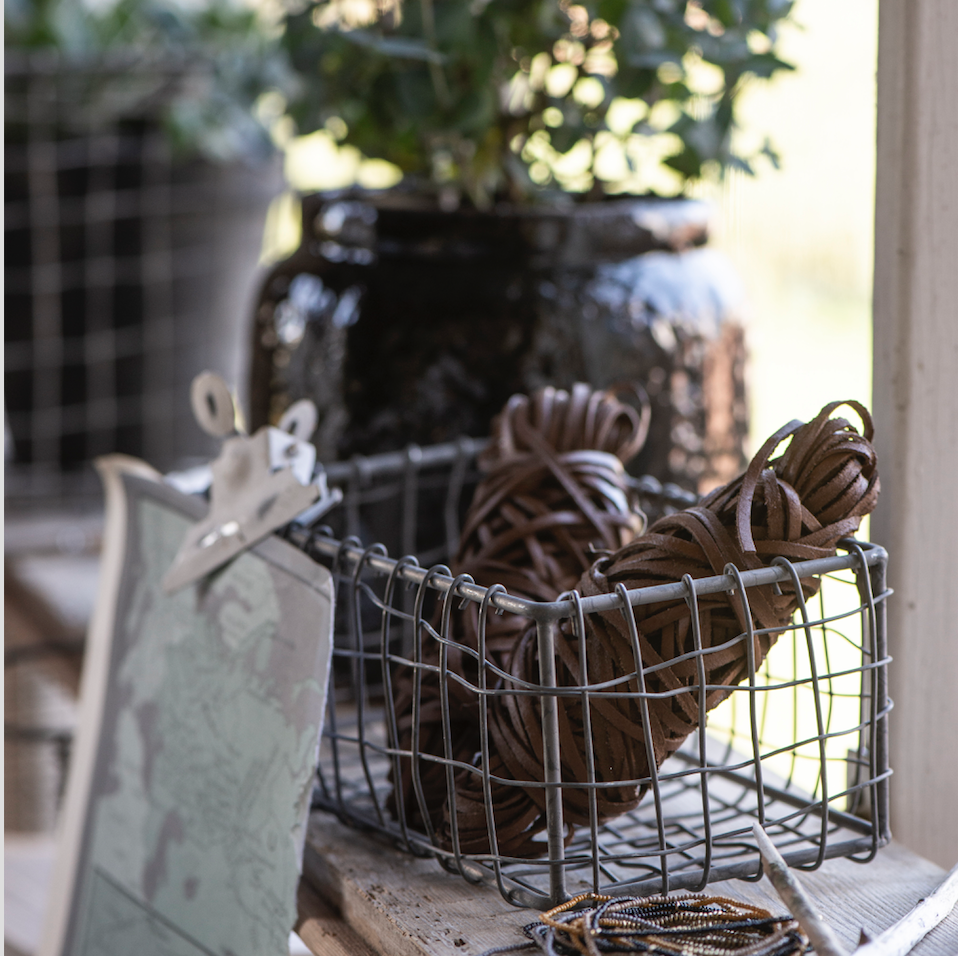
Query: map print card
[(191, 778)]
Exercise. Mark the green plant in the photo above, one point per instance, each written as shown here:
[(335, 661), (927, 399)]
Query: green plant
[(519, 98), (199, 68)]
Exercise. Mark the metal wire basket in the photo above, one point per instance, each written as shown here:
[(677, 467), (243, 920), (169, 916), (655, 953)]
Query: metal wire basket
[(801, 746), (125, 269)]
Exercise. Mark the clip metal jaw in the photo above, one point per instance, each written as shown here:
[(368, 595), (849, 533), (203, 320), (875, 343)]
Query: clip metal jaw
[(259, 483)]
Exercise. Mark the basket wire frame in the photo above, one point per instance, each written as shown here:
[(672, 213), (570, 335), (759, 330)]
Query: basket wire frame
[(115, 270), (694, 825)]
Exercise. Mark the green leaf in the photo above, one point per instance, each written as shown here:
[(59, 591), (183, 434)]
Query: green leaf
[(407, 109), (563, 138), (741, 164), (771, 154), (765, 65), (687, 162)]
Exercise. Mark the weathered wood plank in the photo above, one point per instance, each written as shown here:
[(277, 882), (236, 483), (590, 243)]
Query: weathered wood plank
[(404, 906), (323, 930), (853, 897), (400, 904)]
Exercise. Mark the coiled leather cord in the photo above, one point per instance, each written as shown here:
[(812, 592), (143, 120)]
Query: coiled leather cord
[(797, 506), (554, 493)]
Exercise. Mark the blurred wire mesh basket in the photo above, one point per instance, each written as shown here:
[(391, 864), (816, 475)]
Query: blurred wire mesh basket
[(800, 746), (126, 266)]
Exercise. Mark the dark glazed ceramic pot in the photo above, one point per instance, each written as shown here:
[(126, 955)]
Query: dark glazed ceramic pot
[(408, 324)]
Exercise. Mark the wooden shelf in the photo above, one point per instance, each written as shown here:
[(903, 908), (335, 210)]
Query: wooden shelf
[(362, 897)]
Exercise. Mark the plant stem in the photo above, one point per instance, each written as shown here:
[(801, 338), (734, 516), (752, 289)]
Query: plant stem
[(438, 78)]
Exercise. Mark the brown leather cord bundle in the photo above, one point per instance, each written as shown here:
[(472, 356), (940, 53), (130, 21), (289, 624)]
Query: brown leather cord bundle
[(553, 494), (798, 506), (554, 491)]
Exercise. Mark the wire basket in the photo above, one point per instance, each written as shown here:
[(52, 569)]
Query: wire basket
[(126, 266), (801, 746)]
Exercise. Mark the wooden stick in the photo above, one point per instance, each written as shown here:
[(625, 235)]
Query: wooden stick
[(823, 938), (911, 929)]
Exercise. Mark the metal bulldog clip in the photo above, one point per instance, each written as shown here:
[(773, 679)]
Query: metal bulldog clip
[(260, 482)]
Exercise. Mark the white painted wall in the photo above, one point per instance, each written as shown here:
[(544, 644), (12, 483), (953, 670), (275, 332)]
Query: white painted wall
[(916, 409)]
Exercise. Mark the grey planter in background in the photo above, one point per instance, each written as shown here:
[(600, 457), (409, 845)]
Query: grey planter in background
[(128, 271)]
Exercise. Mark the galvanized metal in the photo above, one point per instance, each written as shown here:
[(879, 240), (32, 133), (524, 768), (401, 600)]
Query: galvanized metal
[(694, 826)]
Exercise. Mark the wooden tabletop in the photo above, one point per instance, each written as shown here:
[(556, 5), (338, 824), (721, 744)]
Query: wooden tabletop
[(361, 897)]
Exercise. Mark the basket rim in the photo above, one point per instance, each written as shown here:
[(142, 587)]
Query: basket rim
[(351, 553)]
